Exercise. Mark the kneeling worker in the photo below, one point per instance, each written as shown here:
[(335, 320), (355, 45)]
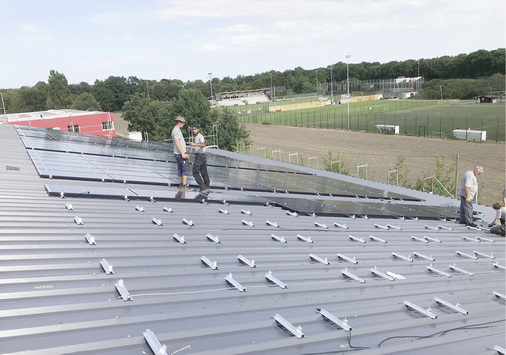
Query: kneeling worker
[(500, 216), (200, 164)]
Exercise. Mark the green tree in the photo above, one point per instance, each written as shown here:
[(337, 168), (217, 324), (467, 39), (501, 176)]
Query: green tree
[(58, 93), (193, 106), (402, 173), (144, 115), (230, 132), (33, 98), (85, 102)]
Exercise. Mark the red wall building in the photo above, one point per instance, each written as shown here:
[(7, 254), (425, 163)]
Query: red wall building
[(90, 122)]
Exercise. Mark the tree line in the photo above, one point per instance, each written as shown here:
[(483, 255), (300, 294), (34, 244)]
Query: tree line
[(464, 76)]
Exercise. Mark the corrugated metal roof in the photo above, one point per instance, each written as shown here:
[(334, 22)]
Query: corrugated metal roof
[(244, 270)]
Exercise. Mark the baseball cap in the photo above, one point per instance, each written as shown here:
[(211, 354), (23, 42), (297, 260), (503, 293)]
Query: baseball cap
[(195, 126)]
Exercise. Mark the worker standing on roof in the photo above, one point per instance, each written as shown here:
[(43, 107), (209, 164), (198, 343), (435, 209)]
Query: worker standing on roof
[(200, 164), (180, 154), (467, 190)]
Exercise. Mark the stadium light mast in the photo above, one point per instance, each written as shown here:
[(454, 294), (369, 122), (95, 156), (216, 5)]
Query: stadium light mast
[(348, 88), (211, 84), (331, 86)]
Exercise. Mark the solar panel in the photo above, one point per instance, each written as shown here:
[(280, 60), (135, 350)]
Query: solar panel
[(363, 208)]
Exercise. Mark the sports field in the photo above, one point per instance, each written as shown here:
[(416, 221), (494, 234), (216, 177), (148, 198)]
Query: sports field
[(421, 118)]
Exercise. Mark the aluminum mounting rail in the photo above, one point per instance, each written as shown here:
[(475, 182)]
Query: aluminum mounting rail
[(275, 280), (413, 306), (330, 317), (107, 267), (122, 290), (319, 259), (378, 273), (455, 307), (250, 263), (179, 239), (154, 344), (297, 331), (234, 283), (212, 264)]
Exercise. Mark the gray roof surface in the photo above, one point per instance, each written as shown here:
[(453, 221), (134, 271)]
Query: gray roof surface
[(403, 284)]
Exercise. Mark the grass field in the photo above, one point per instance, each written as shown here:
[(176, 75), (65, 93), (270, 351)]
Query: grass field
[(422, 118)]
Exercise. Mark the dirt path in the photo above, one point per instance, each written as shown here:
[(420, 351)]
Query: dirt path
[(380, 153)]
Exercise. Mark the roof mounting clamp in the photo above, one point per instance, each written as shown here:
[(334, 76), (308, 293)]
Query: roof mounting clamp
[(272, 224), (78, 220), (393, 227), (398, 256), (278, 239), (459, 253), (123, 292), (168, 209), (69, 206), (223, 211), (275, 280), (347, 258), (293, 214), (416, 239), (187, 222), (247, 212), (421, 256), (376, 272), (231, 281), (381, 227), (344, 226), (318, 259), (304, 239), (445, 228), (346, 273), (436, 271), (90, 239), (157, 221), (455, 307), (376, 239), (179, 239), (297, 331), (107, 267), (455, 268), (499, 349), (427, 312), (500, 295), (212, 264), (212, 238), (430, 239), (154, 344), (321, 225), (139, 208), (330, 317), (247, 223), (355, 239), (250, 263), (477, 253), (396, 276), (471, 239), (498, 266), (431, 228), (485, 239)]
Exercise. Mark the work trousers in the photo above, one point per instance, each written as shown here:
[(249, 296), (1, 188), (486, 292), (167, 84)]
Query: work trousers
[(200, 170), (466, 211)]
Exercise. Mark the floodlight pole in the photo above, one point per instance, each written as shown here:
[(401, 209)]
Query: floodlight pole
[(331, 87), (348, 88), (211, 84)]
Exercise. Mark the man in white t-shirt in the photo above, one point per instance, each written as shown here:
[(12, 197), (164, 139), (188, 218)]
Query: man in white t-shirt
[(200, 164), (467, 190), (180, 154)]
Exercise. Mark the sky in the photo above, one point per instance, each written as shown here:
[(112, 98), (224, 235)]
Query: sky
[(88, 40)]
